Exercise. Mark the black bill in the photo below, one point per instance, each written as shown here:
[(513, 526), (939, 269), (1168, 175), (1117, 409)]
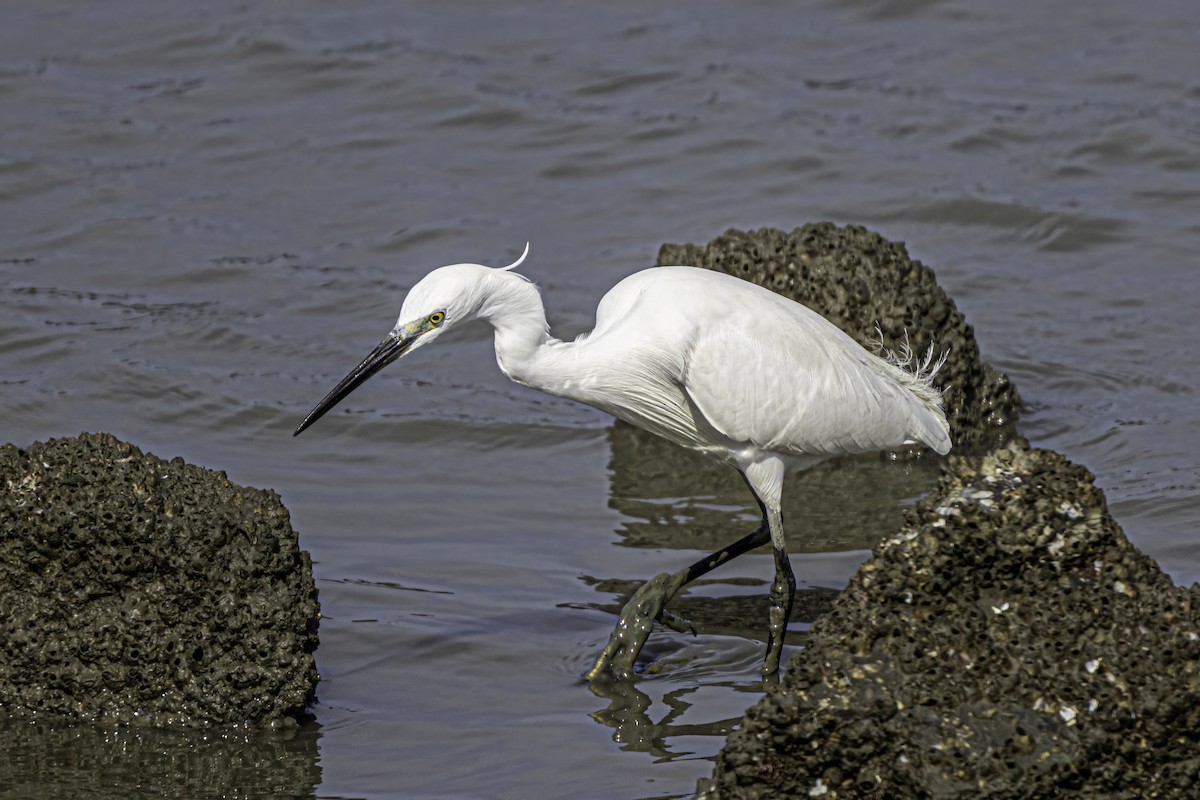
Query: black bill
[(395, 345)]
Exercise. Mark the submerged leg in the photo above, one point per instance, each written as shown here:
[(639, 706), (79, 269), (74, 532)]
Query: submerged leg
[(647, 604), (765, 479)]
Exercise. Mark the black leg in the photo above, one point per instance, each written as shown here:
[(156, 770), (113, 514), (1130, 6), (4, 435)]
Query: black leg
[(783, 590), (758, 537)]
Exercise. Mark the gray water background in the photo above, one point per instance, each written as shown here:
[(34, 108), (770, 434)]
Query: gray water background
[(210, 212)]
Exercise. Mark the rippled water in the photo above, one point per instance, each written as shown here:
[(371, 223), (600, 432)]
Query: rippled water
[(211, 212)]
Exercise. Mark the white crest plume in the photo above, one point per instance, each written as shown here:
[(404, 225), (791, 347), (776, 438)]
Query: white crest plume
[(518, 262)]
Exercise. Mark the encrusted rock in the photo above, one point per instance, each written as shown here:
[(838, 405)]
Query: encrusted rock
[(860, 281), (134, 589), (1008, 642)]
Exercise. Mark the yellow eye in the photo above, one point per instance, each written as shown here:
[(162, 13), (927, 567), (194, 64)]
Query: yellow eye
[(437, 318)]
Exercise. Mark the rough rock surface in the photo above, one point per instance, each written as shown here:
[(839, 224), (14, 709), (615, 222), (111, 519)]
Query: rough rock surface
[(859, 280), (134, 589), (1009, 642)]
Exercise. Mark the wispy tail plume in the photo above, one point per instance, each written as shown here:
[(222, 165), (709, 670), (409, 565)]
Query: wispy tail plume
[(923, 368)]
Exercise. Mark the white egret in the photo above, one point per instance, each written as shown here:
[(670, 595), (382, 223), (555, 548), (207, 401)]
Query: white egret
[(706, 360)]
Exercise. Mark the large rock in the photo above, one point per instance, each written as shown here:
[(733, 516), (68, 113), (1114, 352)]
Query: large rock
[(134, 589), (860, 281), (1008, 642)]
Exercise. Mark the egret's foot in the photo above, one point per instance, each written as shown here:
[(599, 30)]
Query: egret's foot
[(782, 592), (770, 666), (776, 630), (676, 622), (637, 620)]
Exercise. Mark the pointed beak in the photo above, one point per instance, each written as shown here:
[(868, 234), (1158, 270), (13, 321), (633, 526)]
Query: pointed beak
[(396, 344)]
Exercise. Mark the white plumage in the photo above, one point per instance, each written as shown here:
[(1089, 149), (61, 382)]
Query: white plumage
[(704, 359)]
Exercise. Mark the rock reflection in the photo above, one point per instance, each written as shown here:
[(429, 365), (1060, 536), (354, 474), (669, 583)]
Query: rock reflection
[(671, 497), (739, 615), (55, 758)]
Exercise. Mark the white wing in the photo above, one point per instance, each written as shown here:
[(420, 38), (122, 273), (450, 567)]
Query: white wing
[(782, 378), (715, 362)]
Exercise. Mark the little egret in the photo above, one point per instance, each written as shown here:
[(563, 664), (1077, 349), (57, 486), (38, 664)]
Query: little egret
[(706, 360)]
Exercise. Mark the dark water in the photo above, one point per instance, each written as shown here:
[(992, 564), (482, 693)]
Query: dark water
[(210, 212)]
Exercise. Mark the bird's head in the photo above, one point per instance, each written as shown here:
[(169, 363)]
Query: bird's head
[(446, 297)]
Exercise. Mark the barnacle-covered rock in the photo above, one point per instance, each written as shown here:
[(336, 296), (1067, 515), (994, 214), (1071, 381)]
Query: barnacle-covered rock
[(134, 589), (868, 286), (1008, 642)]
